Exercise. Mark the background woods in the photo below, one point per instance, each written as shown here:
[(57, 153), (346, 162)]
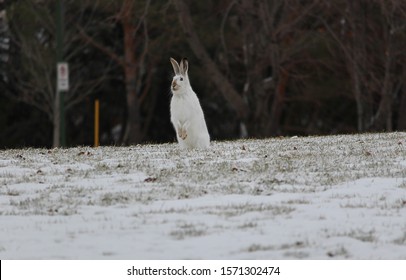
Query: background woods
[(260, 68)]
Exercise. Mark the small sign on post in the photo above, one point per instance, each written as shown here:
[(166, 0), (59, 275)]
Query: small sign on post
[(62, 76)]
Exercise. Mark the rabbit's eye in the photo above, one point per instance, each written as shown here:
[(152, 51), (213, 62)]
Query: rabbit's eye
[(181, 78)]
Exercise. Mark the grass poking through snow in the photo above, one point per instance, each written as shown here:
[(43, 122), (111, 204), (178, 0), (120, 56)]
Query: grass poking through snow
[(304, 197)]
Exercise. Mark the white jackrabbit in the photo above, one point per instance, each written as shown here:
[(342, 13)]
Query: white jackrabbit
[(186, 113)]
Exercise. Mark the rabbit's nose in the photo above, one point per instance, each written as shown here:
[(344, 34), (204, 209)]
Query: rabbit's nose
[(174, 84)]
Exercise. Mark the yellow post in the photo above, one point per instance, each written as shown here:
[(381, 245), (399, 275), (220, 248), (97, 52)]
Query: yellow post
[(96, 122)]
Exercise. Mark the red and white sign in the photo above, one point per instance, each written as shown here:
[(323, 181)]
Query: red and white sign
[(62, 76)]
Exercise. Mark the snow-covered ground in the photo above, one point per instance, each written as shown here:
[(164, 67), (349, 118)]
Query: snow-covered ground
[(339, 197)]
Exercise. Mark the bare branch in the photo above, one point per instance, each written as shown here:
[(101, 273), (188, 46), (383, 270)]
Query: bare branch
[(100, 47)]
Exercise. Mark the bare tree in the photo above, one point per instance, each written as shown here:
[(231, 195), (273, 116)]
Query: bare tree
[(218, 78), (133, 21), (31, 72), (369, 34), (271, 37), (393, 28)]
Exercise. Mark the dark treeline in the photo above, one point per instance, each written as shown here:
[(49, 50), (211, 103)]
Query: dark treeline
[(261, 68)]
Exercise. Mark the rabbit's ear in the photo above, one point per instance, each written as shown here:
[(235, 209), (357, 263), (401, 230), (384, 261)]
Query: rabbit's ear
[(184, 66), (175, 66)]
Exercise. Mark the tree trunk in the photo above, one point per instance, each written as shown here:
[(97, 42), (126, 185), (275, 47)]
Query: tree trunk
[(356, 59), (383, 117), (402, 111), (277, 105), (56, 121), (133, 132), (356, 87)]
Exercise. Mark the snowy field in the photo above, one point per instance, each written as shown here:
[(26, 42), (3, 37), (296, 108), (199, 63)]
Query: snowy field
[(338, 197)]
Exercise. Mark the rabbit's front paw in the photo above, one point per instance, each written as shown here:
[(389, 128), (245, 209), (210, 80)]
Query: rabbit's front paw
[(182, 133)]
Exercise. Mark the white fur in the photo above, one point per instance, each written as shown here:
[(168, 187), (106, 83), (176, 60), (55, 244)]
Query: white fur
[(186, 113)]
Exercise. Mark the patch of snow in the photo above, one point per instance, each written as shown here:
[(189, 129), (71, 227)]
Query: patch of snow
[(340, 197)]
